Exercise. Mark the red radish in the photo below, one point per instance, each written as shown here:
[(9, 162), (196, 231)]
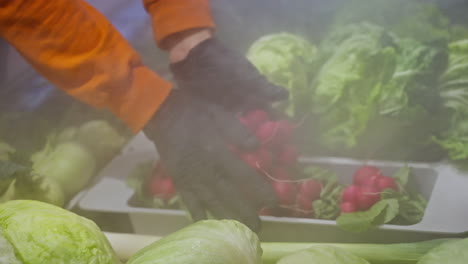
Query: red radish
[(159, 171), (285, 130), (385, 182), (310, 190), (288, 155), (366, 175), (262, 159), (350, 193), (265, 159), (247, 124), (368, 196), (285, 192), (280, 173), (162, 187), (255, 118), (266, 132), (304, 207), (251, 159), (304, 203), (348, 207)]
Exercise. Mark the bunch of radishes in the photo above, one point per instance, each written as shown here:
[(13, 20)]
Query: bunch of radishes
[(276, 158), (368, 184)]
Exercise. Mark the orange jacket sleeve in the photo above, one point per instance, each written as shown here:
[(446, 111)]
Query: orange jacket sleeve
[(78, 50), (173, 16)]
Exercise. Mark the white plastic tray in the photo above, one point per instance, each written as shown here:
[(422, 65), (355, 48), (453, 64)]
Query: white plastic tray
[(444, 186)]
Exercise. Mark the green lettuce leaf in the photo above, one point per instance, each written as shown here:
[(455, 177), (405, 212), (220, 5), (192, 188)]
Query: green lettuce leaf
[(43, 233), (417, 19), (286, 59), (209, 241), (322, 254), (381, 213), (453, 252), (348, 85), (454, 91)]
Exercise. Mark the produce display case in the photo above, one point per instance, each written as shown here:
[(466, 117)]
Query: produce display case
[(388, 141), (440, 183)]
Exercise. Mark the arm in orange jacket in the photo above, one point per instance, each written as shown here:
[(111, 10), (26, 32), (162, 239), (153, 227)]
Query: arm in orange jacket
[(77, 49)]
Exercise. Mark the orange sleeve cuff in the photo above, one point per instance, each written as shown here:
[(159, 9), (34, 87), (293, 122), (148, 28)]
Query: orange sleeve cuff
[(78, 50), (173, 16), (142, 99)]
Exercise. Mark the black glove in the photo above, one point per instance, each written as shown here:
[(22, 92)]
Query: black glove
[(220, 75), (191, 136)]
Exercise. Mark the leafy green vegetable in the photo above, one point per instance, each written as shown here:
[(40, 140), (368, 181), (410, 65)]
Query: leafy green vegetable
[(412, 209), (452, 252), (209, 241), (412, 83), (454, 91), (327, 207), (7, 252), (417, 19), (43, 233), (101, 139), (402, 175), (19, 182), (381, 213), (411, 206), (322, 254), (348, 85), (8, 173), (376, 94), (404, 253), (286, 59), (70, 164), (454, 86)]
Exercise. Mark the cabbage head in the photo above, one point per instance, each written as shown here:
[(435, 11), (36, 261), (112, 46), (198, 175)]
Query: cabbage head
[(40, 233), (286, 59), (209, 241), (69, 164)]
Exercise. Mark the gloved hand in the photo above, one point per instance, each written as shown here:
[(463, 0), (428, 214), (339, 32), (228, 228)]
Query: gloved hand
[(191, 136), (220, 75)]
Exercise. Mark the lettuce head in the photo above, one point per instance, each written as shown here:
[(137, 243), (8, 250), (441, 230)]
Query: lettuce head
[(34, 232), (209, 241), (286, 59)]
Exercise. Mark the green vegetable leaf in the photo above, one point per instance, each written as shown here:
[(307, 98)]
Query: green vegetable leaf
[(412, 209), (327, 207), (381, 213), (454, 92), (421, 20), (19, 182), (453, 252), (286, 59), (322, 254), (347, 87), (9, 171), (402, 176), (208, 241), (68, 163), (43, 233)]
